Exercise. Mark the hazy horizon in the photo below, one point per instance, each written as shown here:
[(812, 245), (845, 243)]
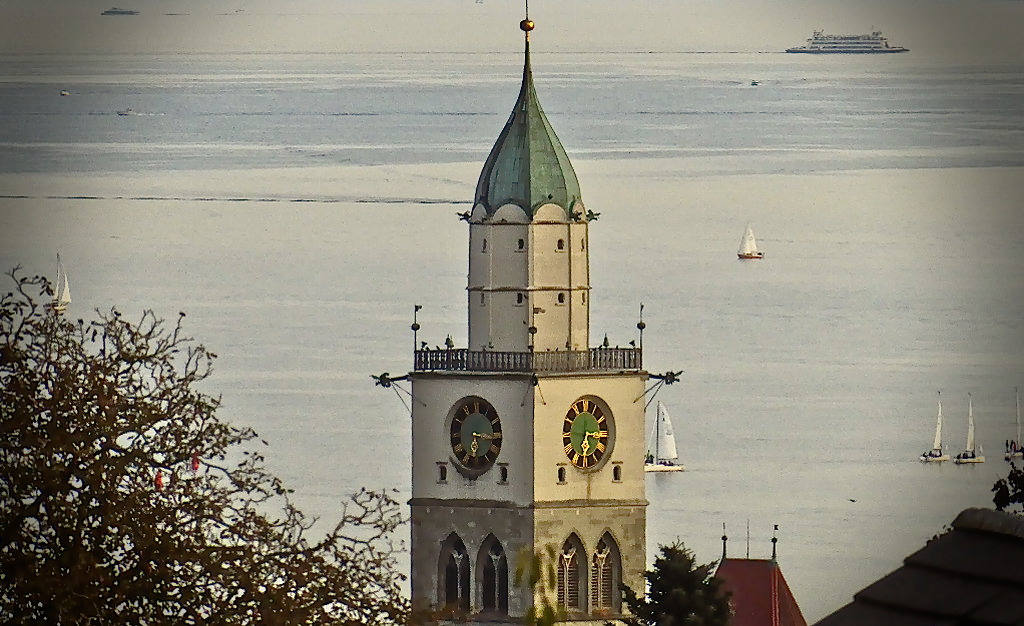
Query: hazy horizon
[(944, 29)]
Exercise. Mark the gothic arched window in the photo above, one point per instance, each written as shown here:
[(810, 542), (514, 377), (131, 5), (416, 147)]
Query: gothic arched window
[(453, 573), (492, 566), (571, 580), (605, 577)]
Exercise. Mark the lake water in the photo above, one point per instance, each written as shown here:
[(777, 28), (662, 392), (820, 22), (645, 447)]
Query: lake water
[(297, 206)]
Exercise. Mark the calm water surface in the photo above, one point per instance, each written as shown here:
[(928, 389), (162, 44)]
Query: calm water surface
[(297, 206)]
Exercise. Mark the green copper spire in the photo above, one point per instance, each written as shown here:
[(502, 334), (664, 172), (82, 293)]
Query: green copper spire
[(527, 165)]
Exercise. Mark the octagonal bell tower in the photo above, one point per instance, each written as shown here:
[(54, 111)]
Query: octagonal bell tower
[(529, 270)]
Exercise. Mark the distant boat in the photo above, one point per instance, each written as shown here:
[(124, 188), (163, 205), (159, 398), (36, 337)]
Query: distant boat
[(748, 246), (62, 298), (820, 43), (664, 457), (1013, 448), (117, 11), (755, 83), (127, 111), (936, 455), (969, 455), (65, 92)]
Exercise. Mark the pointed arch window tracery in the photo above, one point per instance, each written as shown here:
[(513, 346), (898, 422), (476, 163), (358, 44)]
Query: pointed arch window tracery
[(454, 574), (492, 564), (605, 577), (570, 575)]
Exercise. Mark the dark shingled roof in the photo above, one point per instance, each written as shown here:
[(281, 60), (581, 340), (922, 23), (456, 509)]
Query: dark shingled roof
[(972, 575), (760, 594)]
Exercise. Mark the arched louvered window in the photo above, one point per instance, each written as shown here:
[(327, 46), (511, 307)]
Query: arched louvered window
[(570, 575), (605, 577), (493, 567), (454, 574)]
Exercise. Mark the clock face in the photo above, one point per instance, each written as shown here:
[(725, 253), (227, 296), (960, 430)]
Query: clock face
[(475, 434), (585, 433)]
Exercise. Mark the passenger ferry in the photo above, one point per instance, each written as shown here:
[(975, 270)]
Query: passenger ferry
[(821, 43)]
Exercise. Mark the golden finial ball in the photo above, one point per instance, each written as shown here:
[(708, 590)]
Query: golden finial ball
[(526, 25)]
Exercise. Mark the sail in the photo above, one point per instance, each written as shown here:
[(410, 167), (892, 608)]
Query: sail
[(666, 437), (64, 293), (748, 245), (938, 430), (62, 298), (970, 426)]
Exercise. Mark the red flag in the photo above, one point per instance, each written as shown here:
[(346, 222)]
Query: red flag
[(159, 480)]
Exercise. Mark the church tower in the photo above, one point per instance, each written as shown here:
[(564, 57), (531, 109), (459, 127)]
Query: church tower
[(528, 441)]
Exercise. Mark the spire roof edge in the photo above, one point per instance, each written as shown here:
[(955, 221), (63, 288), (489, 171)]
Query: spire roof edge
[(528, 165)]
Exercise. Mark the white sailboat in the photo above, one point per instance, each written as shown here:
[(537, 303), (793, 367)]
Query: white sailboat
[(936, 455), (969, 455), (62, 298), (664, 457), (748, 246), (1013, 448)]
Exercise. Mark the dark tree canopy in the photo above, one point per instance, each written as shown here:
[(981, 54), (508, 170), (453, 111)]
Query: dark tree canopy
[(1009, 491), (124, 500), (679, 593)]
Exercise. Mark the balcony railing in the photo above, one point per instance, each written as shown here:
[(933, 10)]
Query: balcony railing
[(464, 360)]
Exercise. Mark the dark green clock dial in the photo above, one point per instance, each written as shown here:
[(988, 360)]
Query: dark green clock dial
[(475, 434), (585, 433)]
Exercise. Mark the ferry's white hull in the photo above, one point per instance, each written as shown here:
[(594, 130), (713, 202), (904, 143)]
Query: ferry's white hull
[(846, 50), (821, 43)]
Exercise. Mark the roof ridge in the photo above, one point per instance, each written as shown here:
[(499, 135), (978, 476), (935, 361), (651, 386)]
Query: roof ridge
[(991, 521)]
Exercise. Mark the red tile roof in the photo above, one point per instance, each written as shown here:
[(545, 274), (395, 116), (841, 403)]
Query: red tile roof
[(760, 594)]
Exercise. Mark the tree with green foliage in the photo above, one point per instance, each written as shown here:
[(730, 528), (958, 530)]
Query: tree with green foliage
[(1009, 491), (125, 500), (536, 571), (679, 593)]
